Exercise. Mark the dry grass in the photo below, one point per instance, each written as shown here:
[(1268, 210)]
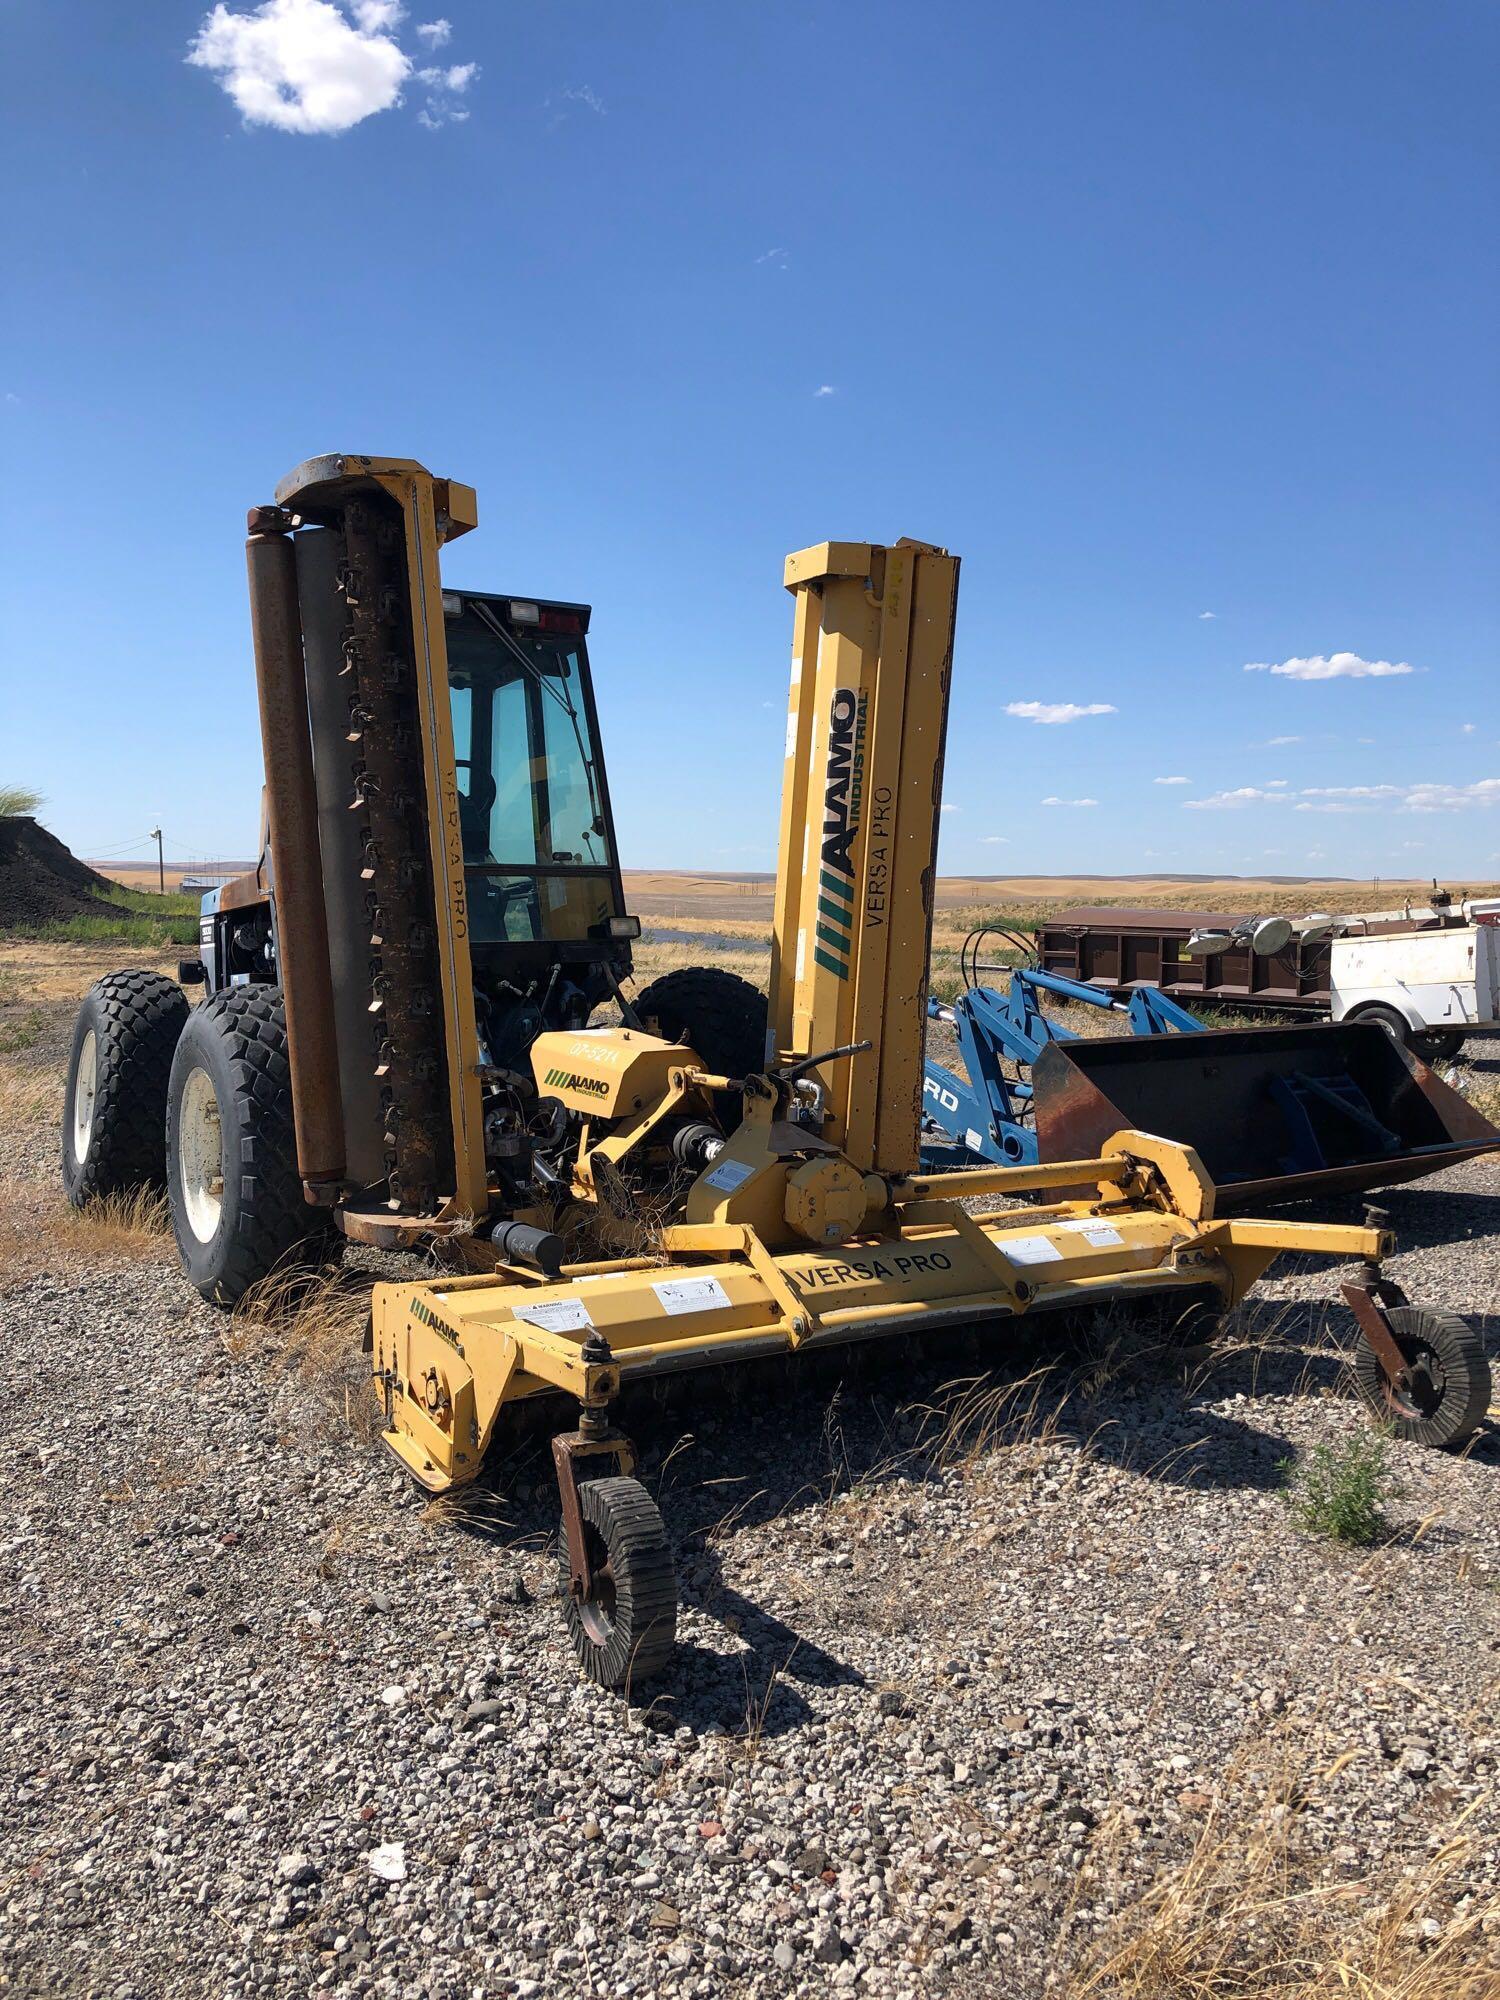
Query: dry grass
[(39, 1232), (132, 1224), (1259, 1911), (311, 1324)]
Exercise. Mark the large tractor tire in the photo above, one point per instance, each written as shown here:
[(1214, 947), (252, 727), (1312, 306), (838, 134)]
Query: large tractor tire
[(232, 1180), (115, 1104), (720, 1016)]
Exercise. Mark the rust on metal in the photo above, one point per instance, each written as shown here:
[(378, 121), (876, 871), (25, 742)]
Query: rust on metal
[(1368, 1298), (1256, 1105), (292, 806), (567, 1449), (407, 1048)]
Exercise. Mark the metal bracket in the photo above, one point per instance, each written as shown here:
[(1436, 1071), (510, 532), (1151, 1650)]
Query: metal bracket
[(567, 1449), (595, 1437), (1368, 1298)]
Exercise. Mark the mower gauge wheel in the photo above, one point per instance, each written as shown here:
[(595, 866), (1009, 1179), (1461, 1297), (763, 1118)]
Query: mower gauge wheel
[(1444, 1389), (626, 1628)]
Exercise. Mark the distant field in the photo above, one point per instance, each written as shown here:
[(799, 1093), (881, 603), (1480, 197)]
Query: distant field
[(142, 874), (732, 901), (1021, 898)]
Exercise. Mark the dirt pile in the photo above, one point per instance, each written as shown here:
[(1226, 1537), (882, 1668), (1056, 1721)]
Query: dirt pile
[(42, 882)]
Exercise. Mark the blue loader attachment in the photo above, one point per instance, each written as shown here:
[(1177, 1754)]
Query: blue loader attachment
[(1275, 1114)]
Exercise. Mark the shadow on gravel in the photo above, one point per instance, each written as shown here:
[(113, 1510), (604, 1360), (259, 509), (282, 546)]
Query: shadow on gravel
[(748, 1450)]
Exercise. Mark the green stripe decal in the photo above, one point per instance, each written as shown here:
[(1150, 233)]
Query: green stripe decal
[(835, 915), (833, 965), (837, 884)]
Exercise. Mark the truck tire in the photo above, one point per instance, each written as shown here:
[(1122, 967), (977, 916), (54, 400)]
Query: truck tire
[(1396, 1025), (720, 1016), (1438, 1044), (115, 1101), (232, 1179)]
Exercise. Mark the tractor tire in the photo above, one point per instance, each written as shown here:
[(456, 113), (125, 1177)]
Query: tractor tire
[(627, 1628), (720, 1016), (1447, 1387), (232, 1180), (115, 1102)]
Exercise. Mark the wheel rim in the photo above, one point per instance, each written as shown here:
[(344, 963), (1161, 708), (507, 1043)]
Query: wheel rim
[(200, 1159), (85, 1086), (1417, 1393), (596, 1612)]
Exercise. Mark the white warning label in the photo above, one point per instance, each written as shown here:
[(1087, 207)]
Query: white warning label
[(691, 1295), (1029, 1250), (556, 1315)]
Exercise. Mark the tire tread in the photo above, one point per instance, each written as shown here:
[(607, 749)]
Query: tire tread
[(139, 1017)]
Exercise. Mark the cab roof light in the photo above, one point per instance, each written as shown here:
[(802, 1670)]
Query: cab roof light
[(561, 621), (453, 604), (522, 613)]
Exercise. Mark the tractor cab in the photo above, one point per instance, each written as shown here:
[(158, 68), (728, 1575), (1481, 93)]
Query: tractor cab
[(546, 910)]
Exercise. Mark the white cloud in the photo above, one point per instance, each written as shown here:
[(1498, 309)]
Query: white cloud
[(1418, 798), (584, 94), (1171, 781), (436, 34), (1331, 667), (1468, 728), (825, 389), (1277, 742), (776, 256), (950, 809), (321, 66), (1058, 711), (443, 86), (1070, 802), (301, 65), (1245, 795), (994, 840), (1208, 614)]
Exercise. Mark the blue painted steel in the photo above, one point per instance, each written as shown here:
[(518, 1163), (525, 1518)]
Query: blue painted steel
[(983, 1119)]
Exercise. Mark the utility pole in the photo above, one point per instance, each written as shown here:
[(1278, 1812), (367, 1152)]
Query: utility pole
[(161, 866)]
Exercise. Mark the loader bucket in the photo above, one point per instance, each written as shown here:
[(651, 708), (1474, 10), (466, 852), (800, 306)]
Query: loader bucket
[(1275, 1114)]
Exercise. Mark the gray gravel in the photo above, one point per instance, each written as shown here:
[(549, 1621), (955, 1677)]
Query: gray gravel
[(272, 1726)]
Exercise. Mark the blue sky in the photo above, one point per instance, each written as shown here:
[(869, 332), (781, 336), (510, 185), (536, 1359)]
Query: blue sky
[(1149, 311)]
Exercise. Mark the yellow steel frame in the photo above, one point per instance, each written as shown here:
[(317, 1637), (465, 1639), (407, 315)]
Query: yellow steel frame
[(871, 657), (449, 1353)]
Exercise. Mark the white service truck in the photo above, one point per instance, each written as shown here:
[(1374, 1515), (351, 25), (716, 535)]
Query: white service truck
[(1429, 987)]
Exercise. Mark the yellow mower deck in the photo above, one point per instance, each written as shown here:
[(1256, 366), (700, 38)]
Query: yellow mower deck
[(449, 1354)]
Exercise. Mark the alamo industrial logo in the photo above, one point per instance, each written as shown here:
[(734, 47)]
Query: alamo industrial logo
[(842, 797), (568, 1079)]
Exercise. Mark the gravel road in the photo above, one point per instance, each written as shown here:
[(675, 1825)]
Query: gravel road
[(272, 1726)]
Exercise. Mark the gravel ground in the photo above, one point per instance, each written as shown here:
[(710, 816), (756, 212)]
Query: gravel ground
[(273, 1726)]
